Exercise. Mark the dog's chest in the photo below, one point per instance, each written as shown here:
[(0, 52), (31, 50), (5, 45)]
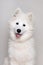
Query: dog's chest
[(20, 52)]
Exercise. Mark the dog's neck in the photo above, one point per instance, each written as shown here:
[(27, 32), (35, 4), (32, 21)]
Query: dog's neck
[(17, 41), (21, 45), (22, 42)]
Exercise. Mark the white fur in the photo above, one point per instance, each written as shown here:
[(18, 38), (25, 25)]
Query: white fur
[(21, 50)]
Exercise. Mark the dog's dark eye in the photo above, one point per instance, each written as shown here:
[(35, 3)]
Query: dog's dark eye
[(17, 23), (24, 25)]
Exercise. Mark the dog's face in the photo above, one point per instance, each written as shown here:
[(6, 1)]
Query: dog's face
[(21, 26)]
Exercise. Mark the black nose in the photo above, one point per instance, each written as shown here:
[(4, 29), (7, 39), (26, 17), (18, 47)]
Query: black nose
[(18, 30)]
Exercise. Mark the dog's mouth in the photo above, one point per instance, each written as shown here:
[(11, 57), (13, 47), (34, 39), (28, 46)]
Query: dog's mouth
[(18, 35)]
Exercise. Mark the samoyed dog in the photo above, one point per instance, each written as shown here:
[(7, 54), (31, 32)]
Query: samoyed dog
[(21, 42)]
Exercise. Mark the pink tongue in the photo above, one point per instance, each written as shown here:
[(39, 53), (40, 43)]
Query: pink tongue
[(18, 35)]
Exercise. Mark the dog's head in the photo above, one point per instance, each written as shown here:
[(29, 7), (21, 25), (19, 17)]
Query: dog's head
[(21, 26)]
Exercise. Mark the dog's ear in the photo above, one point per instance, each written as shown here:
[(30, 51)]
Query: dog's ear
[(30, 16), (17, 12)]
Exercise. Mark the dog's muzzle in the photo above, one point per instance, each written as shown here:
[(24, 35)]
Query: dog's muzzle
[(18, 35)]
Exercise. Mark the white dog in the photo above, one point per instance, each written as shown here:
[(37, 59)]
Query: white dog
[(21, 43)]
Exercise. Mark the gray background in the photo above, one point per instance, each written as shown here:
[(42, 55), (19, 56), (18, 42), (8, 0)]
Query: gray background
[(7, 8)]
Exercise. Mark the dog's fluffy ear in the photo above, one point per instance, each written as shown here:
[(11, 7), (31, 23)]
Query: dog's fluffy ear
[(30, 16), (17, 11)]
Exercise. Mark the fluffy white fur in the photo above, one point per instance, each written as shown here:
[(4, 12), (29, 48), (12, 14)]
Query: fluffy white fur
[(21, 50)]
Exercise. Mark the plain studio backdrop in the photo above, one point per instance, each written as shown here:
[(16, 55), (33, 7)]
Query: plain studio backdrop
[(7, 8)]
